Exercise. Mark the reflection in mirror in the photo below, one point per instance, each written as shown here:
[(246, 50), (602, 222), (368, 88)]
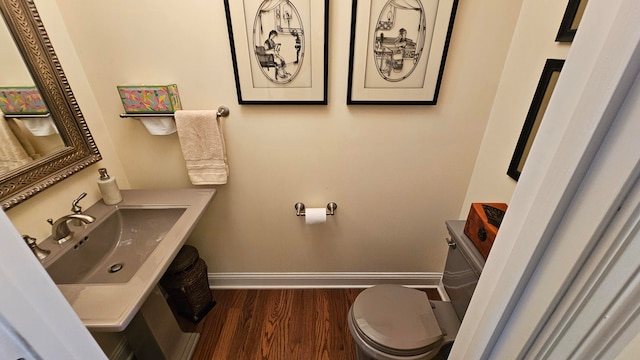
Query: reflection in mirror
[(23, 139), (43, 151), (14, 71)]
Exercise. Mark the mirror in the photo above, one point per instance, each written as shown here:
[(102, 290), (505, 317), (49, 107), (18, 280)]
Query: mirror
[(24, 138), (79, 150)]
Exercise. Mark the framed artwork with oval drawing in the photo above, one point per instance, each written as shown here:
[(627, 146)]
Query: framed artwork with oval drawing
[(398, 50), (279, 50)]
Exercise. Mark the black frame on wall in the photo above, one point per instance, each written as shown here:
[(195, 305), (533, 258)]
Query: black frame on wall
[(382, 59), (536, 111), (571, 20), (292, 68)]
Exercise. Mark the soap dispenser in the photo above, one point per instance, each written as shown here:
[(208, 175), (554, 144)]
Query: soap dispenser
[(109, 188)]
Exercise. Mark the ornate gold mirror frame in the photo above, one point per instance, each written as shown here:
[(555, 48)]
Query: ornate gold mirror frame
[(80, 151)]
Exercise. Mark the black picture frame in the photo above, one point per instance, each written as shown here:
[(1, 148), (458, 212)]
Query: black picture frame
[(398, 51), (571, 20), (543, 92), (279, 50)]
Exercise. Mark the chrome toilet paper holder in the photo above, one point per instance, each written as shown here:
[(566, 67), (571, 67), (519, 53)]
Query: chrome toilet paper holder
[(300, 208)]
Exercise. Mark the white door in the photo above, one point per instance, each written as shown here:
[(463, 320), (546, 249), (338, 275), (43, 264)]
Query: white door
[(36, 321), (569, 239)]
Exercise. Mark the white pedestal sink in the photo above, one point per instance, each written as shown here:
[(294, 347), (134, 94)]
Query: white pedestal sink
[(110, 268)]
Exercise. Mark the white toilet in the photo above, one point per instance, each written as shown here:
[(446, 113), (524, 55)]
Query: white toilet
[(393, 322)]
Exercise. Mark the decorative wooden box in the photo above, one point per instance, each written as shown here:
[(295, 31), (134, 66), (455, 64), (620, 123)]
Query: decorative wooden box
[(483, 223), (22, 100), (157, 99)]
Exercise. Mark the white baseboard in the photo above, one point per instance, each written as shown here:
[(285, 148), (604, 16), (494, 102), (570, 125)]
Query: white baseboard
[(302, 280)]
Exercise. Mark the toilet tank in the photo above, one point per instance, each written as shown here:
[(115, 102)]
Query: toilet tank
[(463, 267)]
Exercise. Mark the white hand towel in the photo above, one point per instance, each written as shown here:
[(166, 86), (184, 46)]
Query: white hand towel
[(203, 146), (12, 154)]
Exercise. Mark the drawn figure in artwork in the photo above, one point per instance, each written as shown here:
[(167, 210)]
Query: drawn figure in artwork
[(273, 48), (397, 56), (401, 39), (278, 40)]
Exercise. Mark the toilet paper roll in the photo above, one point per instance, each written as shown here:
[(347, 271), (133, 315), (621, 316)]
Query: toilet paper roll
[(315, 215)]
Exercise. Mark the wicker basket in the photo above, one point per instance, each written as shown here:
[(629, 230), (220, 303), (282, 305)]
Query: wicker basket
[(187, 285)]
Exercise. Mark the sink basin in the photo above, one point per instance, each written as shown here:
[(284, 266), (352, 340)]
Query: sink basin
[(113, 250), (110, 267)]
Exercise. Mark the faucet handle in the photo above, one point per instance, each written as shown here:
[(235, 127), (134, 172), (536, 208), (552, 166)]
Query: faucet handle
[(75, 208), (29, 240), (37, 251), (50, 221)]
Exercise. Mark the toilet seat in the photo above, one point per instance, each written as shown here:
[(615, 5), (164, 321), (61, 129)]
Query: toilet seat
[(396, 320)]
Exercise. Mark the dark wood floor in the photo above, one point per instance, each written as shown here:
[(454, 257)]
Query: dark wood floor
[(281, 324)]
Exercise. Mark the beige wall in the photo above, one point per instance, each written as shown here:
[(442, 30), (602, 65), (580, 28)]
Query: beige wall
[(396, 172), (533, 43)]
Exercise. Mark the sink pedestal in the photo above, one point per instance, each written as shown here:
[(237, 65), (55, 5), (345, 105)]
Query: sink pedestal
[(155, 334)]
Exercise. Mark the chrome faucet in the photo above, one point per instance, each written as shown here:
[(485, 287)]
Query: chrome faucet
[(77, 209), (60, 231)]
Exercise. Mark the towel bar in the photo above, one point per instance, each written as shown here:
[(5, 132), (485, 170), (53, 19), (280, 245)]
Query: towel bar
[(222, 111), (17, 116), (126, 115), (300, 208)]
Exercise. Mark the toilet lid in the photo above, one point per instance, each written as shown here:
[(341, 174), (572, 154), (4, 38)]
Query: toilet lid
[(396, 318)]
